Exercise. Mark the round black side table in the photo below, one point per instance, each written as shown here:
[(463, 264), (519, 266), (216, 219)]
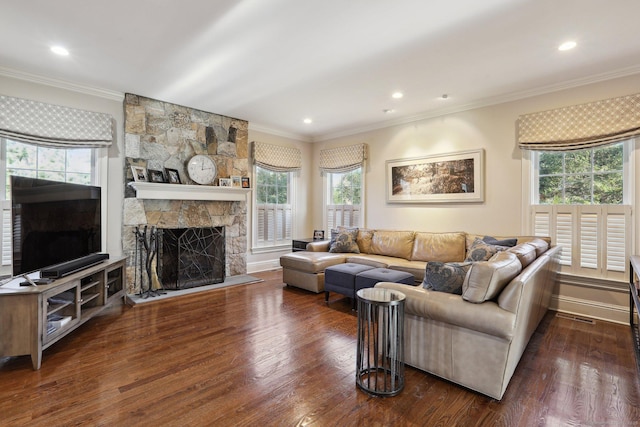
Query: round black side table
[(380, 354)]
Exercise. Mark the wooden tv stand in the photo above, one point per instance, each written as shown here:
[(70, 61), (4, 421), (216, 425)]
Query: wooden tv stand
[(26, 312)]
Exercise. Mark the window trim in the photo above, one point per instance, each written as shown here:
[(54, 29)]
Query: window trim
[(283, 244), (325, 199), (529, 178), (627, 176)]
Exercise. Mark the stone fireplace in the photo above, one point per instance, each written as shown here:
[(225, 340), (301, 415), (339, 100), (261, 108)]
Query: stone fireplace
[(161, 135)]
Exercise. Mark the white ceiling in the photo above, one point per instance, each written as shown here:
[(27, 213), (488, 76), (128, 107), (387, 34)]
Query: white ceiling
[(275, 62)]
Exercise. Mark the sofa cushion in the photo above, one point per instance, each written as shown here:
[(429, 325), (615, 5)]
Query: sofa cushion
[(445, 277), (444, 247), (364, 240), (392, 243), (486, 279), (344, 241), (482, 251), (540, 245), (525, 252), (311, 262)]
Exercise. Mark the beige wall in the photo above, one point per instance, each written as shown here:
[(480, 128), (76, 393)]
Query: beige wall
[(502, 213), (112, 159), (491, 128)]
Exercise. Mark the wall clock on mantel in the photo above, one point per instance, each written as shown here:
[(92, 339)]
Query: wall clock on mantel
[(202, 169)]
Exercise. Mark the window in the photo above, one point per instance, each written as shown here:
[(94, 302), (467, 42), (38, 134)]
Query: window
[(344, 199), (273, 208), (582, 177), (56, 164), (582, 201)]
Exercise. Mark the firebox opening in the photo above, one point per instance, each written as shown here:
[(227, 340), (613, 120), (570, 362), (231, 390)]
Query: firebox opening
[(190, 257)]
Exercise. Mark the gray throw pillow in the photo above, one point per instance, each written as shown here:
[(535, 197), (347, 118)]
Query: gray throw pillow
[(482, 251), (344, 241), (445, 276), (510, 242)]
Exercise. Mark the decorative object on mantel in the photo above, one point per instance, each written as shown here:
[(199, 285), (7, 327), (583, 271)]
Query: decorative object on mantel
[(224, 182), (236, 181), (202, 169), (139, 173), (156, 176), (146, 251), (245, 182), (444, 178), (173, 176)]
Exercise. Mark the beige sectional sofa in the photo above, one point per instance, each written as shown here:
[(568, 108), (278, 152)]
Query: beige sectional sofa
[(474, 338)]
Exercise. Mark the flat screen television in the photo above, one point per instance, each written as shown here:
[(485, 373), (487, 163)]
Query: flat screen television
[(53, 222)]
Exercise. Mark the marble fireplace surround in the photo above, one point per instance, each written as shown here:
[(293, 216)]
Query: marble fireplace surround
[(161, 135)]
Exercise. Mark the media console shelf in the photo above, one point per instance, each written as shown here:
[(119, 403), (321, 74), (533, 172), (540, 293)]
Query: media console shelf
[(34, 318)]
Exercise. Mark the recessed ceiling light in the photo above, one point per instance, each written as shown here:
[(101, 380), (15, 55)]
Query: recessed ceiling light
[(388, 110), (308, 121), (397, 95), (567, 45), (59, 50), (444, 96)]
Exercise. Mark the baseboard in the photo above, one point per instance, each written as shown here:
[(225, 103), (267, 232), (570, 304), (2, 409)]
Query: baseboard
[(255, 267), (592, 309)]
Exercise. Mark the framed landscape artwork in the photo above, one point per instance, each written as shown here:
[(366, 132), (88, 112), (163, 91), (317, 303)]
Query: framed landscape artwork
[(444, 178)]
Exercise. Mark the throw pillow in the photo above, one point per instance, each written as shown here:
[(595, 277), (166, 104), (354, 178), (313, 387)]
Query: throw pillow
[(503, 242), (344, 241), (445, 276), (482, 251)]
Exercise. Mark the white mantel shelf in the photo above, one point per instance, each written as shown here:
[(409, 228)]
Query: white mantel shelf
[(156, 191)]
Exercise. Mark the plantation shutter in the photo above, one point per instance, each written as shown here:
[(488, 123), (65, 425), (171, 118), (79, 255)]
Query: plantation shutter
[(5, 237), (589, 231), (53, 125), (581, 126), (595, 240)]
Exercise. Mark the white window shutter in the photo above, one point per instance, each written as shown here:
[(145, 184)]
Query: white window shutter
[(589, 233), (564, 236), (542, 220), (618, 233), (5, 237)]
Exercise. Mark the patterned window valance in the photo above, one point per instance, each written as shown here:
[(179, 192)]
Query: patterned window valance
[(343, 159), (53, 125), (276, 158), (581, 126)]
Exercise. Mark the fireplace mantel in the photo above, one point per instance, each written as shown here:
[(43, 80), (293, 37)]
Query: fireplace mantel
[(157, 191)]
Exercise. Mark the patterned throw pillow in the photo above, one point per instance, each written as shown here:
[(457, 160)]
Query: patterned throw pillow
[(344, 241), (482, 251), (445, 276)]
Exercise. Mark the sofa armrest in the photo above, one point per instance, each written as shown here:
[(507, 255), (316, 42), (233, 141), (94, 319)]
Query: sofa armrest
[(487, 317), (320, 246)]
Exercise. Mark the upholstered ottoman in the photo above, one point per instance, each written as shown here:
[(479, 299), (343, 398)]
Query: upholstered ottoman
[(368, 278), (341, 279)]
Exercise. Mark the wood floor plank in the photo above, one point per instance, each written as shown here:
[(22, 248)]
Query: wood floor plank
[(269, 355)]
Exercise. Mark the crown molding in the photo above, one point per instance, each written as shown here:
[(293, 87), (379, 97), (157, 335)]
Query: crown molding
[(278, 132), (62, 84), (487, 102)]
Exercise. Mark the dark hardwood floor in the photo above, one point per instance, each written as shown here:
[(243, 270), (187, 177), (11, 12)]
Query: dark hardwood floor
[(269, 355)]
